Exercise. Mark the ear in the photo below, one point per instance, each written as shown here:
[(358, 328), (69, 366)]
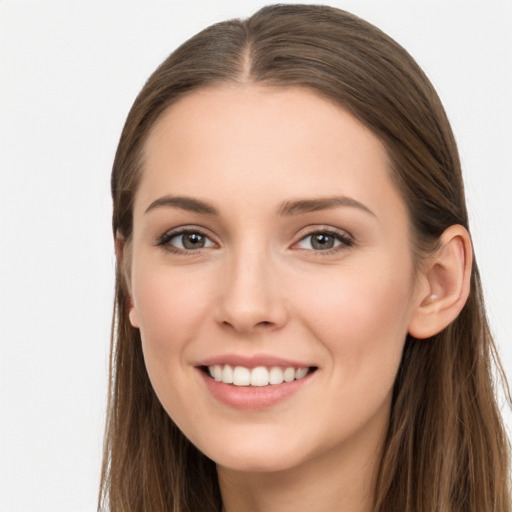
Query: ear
[(123, 257), (444, 284)]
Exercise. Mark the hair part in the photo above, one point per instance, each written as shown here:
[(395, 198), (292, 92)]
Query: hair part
[(446, 448)]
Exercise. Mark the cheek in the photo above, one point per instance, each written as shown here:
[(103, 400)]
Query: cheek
[(361, 318), (170, 306), (170, 312), (359, 300)]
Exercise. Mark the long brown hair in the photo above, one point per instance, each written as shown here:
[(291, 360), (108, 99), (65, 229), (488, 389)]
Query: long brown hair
[(446, 449)]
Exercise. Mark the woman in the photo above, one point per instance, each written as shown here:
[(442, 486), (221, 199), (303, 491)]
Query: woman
[(299, 319)]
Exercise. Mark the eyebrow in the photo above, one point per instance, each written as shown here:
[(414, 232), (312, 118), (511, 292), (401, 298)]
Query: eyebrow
[(184, 203), (313, 205), (286, 209)]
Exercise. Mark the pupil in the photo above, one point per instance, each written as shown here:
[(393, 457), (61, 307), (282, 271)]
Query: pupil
[(323, 242), (193, 241)]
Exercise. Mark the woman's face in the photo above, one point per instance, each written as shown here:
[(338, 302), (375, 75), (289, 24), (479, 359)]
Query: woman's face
[(269, 241)]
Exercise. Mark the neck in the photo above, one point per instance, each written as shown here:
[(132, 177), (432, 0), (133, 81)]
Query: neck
[(340, 480)]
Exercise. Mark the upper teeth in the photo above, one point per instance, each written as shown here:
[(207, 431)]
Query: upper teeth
[(259, 376)]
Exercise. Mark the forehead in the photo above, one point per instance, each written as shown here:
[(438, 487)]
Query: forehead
[(259, 112), (246, 141)]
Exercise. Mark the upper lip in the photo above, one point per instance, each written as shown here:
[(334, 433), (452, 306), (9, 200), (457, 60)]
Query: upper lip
[(252, 361)]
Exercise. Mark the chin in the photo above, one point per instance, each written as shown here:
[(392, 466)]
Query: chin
[(256, 463), (257, 455)]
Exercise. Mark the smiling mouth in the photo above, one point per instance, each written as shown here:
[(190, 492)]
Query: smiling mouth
[(260, 376)]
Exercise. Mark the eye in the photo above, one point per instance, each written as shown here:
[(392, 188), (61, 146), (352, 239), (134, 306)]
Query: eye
[(324, 241), (185, 240)]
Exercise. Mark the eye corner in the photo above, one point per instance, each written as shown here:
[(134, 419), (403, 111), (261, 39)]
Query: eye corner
[(329, 241), (202, 240)]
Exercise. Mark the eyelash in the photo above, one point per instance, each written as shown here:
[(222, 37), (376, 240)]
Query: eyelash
[(165, 239), (346, 241)]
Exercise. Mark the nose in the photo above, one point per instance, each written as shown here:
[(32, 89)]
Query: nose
[(251, 297)]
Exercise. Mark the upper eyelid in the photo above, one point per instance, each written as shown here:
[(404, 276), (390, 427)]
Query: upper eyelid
[(311, 230), (182, 230), (345, 240), (186, 229), (303, 233)]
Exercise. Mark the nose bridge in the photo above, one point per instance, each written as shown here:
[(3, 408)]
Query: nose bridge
[(250, 296)]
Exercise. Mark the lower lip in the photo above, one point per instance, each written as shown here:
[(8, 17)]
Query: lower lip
[(253, 397)]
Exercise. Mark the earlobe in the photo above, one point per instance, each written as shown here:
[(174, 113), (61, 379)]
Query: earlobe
[(446, 280), (133, 316), (123, 258)]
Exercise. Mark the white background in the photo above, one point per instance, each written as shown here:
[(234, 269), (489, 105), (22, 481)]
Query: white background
[(69, 71)]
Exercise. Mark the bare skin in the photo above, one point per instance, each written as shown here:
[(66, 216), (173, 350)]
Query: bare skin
[(266, 226), (345, 483)]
